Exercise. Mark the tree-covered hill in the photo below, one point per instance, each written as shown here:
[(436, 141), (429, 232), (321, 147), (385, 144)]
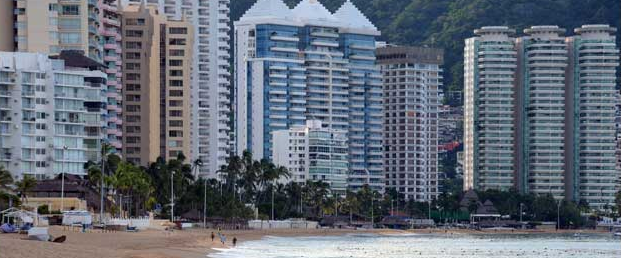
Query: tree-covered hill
[(446, 23)]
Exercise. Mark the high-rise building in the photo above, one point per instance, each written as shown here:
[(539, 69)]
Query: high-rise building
[(211, 87), (490, 64), (157, 60), (46, 112), (315, 153), (89, 26), (540, 112), (412, 83), (306, 63), (110, 35)]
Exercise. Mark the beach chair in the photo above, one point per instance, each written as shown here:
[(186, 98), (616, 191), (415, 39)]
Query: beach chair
[(131, 229)]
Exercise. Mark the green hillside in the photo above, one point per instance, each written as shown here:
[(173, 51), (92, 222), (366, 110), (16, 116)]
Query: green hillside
[(446, 23)]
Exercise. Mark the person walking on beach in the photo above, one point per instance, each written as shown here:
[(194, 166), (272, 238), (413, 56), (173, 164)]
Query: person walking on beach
[(234, 241), (212, 236), (223, 239)]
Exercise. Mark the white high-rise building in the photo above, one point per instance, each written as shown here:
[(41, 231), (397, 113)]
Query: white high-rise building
[(315, 153), (540, 112), (306, 63), (46, 117), (412, 83), (490, 64), (211, 101)]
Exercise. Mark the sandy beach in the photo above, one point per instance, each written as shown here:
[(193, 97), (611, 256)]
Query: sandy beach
[(180, 244), (145, 244)]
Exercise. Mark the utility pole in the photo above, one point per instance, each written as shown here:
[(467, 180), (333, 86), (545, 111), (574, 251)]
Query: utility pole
[(372, 215), (273, 202), (521, 212), (101, 193), (62, 186), (172, 197), (558, 215), (205, 206)]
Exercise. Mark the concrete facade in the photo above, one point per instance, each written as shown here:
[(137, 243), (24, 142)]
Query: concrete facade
[(412, 83), (314, 153), (44, 115), (157, 60)]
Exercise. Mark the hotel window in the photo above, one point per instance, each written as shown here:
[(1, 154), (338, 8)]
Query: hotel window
[(176, 93), (176, 83), (176, 73), (175, 123), (175, 133), (70, 24), (176, 113), (132, 55), (132, 87), (133, 45), (53, 7), (71, 10), (133, 33), (132, 97), (70, 38), (178, 31), (132, 66), (133, 76), (134, 22), (177, 52), (176, 62), (177, 42)]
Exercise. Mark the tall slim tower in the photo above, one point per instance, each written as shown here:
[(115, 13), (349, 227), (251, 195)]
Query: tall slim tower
[(542, 71), (412, 83), (157, 85), (490, 65), (210, 91)]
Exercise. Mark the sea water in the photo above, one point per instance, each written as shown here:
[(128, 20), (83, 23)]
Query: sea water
[(429, 246)]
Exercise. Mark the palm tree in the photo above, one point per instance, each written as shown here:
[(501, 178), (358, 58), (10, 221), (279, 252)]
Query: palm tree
[(195, 166), (25, 185), (5, 179)]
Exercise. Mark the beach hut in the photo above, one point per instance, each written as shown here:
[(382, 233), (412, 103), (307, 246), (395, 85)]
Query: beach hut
[(20, 217)]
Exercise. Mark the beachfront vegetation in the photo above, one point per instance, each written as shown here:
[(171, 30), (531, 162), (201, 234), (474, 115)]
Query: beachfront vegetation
[(245, 186), (24, 186), (6, 184)]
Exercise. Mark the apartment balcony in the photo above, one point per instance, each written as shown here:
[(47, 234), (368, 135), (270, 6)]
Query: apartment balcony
[(111, 22), (110, 8), (112, 46), (110, 131), (110, 58), (109, 33), (285, 38)]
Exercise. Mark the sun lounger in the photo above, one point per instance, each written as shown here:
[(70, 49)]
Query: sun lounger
[(39, 233)]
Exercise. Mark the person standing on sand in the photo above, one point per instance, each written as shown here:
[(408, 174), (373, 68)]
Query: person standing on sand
[(212, 236), (234, 241), (223, 239)]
